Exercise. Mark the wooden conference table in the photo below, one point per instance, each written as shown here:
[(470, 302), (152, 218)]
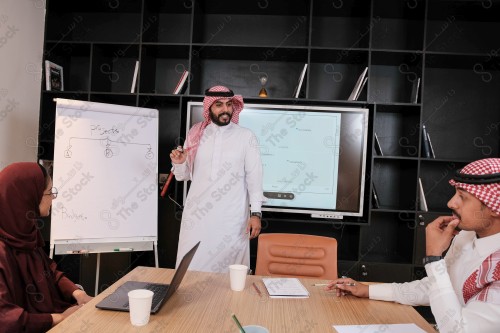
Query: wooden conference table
[(204, 302)]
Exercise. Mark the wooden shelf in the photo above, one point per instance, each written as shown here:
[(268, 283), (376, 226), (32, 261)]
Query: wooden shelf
[(447, 44)]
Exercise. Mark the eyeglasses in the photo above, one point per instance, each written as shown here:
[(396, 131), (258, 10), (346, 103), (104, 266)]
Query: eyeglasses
[(53, 193)]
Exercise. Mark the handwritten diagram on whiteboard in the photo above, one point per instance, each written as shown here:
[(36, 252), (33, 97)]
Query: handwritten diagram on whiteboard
[(297, 160), (105, 170)]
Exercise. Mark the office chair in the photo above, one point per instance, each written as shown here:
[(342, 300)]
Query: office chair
[(296, 255)]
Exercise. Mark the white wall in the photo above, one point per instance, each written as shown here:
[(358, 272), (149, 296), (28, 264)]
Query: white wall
[(22, 25)]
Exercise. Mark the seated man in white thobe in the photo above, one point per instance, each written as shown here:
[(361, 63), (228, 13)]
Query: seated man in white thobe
[(463, 288)]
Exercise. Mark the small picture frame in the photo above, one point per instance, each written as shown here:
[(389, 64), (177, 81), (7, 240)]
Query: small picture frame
[(54, 78)]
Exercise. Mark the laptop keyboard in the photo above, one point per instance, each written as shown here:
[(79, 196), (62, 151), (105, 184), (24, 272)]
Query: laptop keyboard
[(159, 293)]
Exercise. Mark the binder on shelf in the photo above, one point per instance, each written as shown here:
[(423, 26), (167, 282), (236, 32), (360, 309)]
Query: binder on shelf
[(361, 89), (426, 148), (430, 145), (181, 83), (378, 147), (296, 93), (414, 91), (421, 195), (357, 88), (134, 80), (375, 201)]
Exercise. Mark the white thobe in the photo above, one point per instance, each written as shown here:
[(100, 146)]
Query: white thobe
[(442, 288), (226, 179)]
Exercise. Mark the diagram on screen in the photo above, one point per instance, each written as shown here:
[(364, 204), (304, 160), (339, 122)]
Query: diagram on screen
[(301, 169)]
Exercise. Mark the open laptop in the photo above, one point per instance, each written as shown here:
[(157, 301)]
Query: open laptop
[(118, 300)]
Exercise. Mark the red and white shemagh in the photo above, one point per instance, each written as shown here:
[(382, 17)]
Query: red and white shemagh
[(484, 283), (196, 132), (489, 194)]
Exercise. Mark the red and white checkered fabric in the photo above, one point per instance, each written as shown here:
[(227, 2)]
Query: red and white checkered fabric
[(489, 194), (484, 283), (197, 130)]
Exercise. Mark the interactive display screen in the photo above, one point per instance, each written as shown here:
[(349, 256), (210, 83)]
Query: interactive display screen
[(313, 157)]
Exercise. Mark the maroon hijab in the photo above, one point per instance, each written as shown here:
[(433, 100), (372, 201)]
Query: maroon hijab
[(21, 190), (31, 276)]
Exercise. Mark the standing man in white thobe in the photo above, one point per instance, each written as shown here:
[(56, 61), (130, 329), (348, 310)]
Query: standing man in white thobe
[(223, 206)]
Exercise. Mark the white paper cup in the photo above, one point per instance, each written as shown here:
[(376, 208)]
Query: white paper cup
[(255, 329), (238, 276), (140, 306)]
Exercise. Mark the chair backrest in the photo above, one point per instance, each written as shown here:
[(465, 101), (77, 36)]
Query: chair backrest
[(297, 255)]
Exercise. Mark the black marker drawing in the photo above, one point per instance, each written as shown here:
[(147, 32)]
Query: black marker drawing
[(108, 144)]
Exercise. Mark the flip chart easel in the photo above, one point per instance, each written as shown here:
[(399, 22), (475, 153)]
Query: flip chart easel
[(106, 172)]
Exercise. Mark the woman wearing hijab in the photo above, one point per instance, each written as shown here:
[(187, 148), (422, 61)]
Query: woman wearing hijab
[(34, 295)]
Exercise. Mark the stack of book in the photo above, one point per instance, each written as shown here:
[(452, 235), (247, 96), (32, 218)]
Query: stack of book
[(378, 147), (421, 197), (375, 199), (414, 91), (182, 82), (360, 84), (296, 93), (134, 79), (427, 150)]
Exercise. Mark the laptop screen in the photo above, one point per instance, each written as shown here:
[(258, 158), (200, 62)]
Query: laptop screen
[(118, 300)]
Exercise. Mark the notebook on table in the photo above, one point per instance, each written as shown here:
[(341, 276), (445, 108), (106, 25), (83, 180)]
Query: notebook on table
[(285, 288), (118, 300)]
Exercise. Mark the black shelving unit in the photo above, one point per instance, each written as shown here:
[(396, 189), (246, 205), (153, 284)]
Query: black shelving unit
[(449, 45)]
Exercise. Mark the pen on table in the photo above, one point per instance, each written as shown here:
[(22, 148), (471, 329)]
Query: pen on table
[(257, 289), (124, 249), (238, 323), (326, 284)]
